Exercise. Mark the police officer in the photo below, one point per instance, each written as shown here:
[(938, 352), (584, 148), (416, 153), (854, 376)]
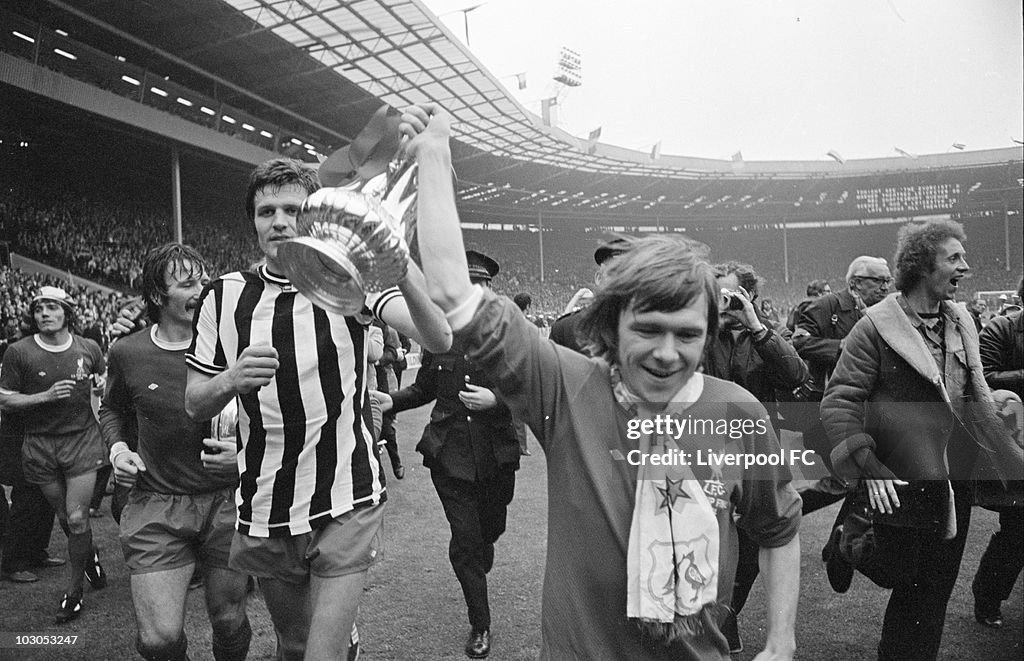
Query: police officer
[(471, 449), (563, 331)]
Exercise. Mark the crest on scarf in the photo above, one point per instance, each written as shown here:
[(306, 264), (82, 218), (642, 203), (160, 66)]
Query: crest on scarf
[(691, 575)]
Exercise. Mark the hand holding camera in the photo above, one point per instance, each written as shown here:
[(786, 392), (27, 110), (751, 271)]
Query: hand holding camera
[(736, 303)]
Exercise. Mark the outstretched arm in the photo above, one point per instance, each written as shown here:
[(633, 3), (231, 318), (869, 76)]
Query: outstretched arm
[(440, 236)]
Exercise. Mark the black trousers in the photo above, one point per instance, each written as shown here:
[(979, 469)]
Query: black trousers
[(916, 614), (748, 567), (1003, 559), (477, 513), (28, 529)]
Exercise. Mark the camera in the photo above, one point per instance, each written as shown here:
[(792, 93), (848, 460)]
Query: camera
[(731, 299)]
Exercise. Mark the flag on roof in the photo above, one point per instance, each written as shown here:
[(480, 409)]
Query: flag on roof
[(836, 156), (592, 140)]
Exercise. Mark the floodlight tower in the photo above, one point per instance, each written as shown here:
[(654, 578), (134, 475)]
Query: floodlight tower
[(570, 68), (568, 74)]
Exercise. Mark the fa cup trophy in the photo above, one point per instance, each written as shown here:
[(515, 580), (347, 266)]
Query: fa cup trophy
[(354, 234), (224, 425)]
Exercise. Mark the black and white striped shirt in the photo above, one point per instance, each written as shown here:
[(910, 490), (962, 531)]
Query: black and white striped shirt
[(307, 452)]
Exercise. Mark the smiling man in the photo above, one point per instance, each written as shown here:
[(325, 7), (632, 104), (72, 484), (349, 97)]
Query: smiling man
[(911, 418), (640, 559), (311, 491), (48, 377)]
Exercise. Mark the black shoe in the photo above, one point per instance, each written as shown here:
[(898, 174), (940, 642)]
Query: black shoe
[(50, 561), (70, 609), (94, 573), (731, 630), (478, 645), (840, 572), (399, 471), (988, 615)]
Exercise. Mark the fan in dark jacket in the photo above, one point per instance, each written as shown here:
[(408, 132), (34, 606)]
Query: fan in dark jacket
[(910, 416), (1002, 357), (751, 354)]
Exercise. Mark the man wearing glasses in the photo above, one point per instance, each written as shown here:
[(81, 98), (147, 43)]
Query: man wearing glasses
[(818, 339)]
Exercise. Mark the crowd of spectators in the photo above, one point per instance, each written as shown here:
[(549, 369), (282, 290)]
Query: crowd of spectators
[(105, 241)]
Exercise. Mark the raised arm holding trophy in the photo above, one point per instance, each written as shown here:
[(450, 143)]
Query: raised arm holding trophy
[(356, 235)]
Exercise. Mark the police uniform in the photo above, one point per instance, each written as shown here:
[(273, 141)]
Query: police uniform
[(472, 456), (563, 331)]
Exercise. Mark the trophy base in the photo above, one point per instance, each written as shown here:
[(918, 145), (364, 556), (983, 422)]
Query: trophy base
[(324, 274)]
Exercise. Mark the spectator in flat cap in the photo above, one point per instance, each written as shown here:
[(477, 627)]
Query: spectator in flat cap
[(472, 452), (563, 331)]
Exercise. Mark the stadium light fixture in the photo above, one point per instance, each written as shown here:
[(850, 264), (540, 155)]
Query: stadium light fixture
[(157, 91), (185, 102), (64, 53), (296, 141), (130, 80), (25, 37), (228, 118), (61, 32), (207, 111), (266, 134), (248, 127)]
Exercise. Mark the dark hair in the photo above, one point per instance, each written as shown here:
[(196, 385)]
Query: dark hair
[(1020, 291), (276, 173), (816, 287), (523, 300), (916, 247), (154, 268), (745, 275), (70, 317), (664, 273)]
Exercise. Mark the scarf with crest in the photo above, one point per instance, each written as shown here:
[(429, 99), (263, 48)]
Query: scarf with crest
[(672, 560)]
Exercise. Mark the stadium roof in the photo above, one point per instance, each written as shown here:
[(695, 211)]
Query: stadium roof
[(329, 63)]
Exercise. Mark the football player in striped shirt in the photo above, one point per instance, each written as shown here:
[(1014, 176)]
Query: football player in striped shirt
[(311, 491)]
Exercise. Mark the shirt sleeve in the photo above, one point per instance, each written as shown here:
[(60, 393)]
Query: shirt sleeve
[(525, 368), (206, 355), (769, 506), (378, 303), (10, 370), (116, 402)]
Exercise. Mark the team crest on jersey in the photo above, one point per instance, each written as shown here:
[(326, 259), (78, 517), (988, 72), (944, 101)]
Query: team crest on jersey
[(80, 373)]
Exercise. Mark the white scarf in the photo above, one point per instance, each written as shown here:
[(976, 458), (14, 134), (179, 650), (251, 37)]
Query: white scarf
[(672, 560)]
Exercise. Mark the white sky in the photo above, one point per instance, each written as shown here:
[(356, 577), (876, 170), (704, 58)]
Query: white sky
[(775, 79)]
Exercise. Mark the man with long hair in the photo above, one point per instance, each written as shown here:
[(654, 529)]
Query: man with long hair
[(181, 508), (641, 552)]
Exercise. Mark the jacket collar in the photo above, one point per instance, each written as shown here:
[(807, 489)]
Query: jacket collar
[(895, 327), (847, 301)]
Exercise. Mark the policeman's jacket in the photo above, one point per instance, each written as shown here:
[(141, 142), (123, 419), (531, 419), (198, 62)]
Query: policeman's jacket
[(468, 445)]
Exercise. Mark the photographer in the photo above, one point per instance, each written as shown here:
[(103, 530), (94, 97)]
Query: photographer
[(751, 354)]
